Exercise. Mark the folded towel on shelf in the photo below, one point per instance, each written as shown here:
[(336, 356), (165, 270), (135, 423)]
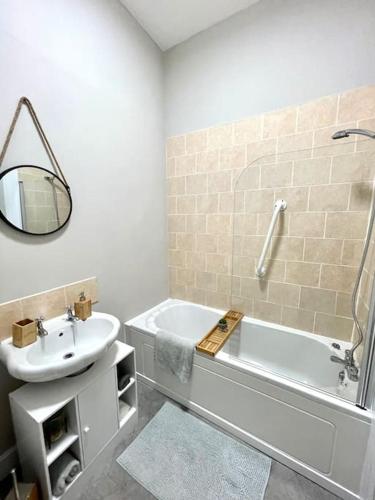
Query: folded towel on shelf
[(62, 471), (75, 468), (123, 381), (174, 354)]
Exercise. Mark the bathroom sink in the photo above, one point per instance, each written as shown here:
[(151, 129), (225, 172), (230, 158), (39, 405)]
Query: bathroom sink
[(67, 349)]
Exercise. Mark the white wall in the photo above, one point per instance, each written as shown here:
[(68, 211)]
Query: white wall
[(95, 80), (275, 54)]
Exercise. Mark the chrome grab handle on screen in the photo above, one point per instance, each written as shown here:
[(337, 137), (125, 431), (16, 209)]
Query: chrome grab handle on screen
[(279, 206)]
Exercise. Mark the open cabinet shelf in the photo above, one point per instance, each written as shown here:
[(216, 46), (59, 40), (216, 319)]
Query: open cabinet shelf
[(69, 425), (127, 396), (75, 451), (128, 416), (60, 446), (131, 382)]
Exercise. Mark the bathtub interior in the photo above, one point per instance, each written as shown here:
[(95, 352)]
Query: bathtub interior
[(184, 319), (292, 355)]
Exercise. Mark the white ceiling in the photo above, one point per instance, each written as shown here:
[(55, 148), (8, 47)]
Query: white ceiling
[(170, 22)]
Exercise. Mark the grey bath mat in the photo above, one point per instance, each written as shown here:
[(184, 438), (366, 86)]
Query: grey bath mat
[(179, 457)]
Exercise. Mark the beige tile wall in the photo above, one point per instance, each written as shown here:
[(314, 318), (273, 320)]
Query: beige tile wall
[(318, 243), (48, 304)]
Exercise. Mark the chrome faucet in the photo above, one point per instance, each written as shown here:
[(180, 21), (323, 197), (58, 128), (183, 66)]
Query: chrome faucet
[(42, 332), (348, 363), (70, 316)]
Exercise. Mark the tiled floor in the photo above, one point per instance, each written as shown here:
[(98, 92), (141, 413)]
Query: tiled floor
[(113, 483)]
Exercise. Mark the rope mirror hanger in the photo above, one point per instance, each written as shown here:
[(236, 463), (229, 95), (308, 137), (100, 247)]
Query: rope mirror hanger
[(24, 101)]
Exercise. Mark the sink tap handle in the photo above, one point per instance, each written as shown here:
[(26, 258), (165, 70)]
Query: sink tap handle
[(42, 332), (70, 314)]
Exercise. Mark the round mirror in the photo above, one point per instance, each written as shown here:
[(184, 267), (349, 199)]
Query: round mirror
[(34, 200)]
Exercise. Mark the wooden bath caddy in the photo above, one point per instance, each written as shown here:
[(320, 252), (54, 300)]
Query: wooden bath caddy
[(216, 338)]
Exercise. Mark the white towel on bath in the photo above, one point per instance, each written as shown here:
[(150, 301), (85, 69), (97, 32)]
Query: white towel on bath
[(174, 354), (62, 471)]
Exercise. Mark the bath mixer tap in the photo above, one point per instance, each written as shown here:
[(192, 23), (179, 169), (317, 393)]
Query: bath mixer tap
[(70, 316), (42, 332), (348, 363)]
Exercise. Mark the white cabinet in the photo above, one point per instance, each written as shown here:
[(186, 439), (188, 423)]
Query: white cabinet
[(94, 409), (98, 414)]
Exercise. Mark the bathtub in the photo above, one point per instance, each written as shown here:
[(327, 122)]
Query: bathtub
[(272, 386)]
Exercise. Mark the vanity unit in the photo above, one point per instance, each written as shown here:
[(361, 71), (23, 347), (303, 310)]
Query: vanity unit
[(95, 410)]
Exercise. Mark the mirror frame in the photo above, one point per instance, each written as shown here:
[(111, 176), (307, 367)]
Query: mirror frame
[(4, 219)]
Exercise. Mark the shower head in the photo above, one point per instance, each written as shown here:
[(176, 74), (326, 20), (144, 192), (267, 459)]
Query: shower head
[(340, 134)]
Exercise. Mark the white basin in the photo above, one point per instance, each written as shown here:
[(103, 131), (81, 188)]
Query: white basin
[(67, 349)]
